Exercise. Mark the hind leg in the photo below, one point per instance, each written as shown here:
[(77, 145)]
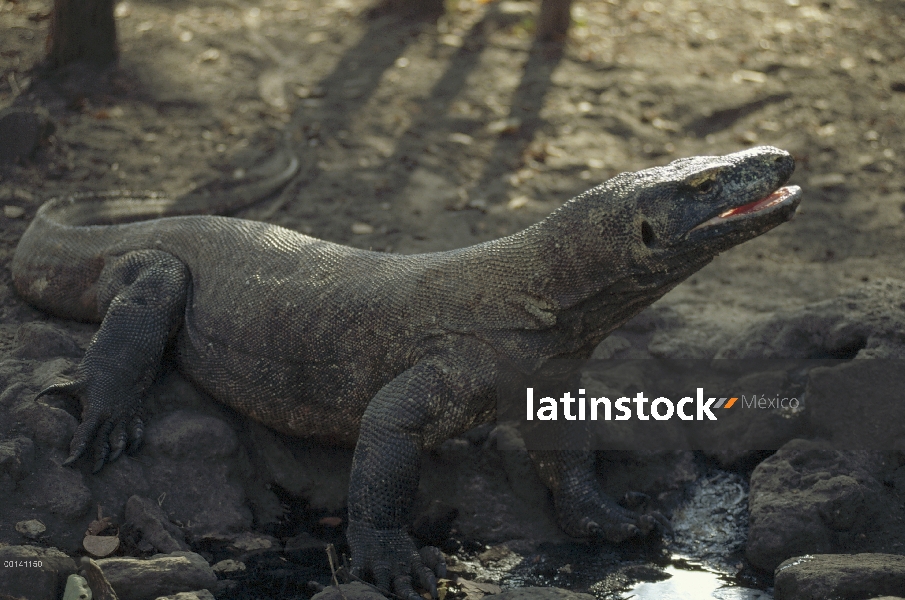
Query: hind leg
[(142, 296)]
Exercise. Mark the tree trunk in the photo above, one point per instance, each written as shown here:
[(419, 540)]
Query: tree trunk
[(554, 19), (82, 30), (410, 8)]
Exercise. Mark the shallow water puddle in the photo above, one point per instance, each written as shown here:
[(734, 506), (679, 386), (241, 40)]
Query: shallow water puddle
[(698, 584)]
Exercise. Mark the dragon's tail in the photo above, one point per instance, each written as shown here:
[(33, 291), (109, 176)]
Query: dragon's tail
[(218, 197)]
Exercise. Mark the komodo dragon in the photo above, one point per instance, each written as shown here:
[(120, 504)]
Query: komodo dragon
[(390, 353)]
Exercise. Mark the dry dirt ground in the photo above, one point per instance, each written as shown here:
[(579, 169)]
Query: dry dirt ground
[(419, 136), (433, 135)]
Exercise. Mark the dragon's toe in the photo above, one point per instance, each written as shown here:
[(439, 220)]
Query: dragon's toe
[(389, 558), (608, 521)]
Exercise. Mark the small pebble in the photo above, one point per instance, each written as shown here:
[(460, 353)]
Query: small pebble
[(31, 528)]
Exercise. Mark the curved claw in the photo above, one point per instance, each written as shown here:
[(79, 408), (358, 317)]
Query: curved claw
[(635, 500), (662, 522), (136, 434), (428, 581), (83, 433), (382, 578), (391, 560), (402, 586), (433, 559), (121, 440), (69, 388), (647, 523), (629, 530), (74, 455), (102, 446)]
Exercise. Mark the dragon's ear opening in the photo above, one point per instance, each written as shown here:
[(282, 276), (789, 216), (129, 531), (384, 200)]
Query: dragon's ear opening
[(647, 233)]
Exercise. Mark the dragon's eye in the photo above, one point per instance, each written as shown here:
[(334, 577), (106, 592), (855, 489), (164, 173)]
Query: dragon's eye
[(703, 187)]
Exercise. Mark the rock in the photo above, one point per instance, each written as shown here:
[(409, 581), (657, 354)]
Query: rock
[(349, 591), (36, 340), (50, 427), (811, 499), (433, 525), (31, 528), (257, 551), (43, 582), (22, 130), (310, 471), (878, 422), (188, 435), (475, 590), (867, 321), (100, 586), (160, 575), (474, 480), (251, 542), (59, 490), (13, 212), (195, 458), (494, 554), (156, 529), (741, 442), (305, 548), (17, 390), (196, 595), (17, 457), (840, 576), (228, 567), (77, 589), (538, 593)]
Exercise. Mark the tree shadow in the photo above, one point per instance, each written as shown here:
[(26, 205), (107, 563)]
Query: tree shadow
[(365, 65), (524, 112)]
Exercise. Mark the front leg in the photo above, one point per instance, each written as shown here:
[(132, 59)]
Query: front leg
[(583, 510), (430, 402), (142, 295)]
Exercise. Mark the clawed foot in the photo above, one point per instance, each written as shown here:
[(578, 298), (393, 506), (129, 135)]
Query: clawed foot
[(108, 425), (388, 558), (609, 521)]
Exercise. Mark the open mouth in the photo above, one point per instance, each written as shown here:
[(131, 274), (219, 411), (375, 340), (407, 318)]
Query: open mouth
[(783, 195)]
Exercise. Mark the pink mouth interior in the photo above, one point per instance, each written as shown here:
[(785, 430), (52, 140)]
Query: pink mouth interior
[(771, 200)]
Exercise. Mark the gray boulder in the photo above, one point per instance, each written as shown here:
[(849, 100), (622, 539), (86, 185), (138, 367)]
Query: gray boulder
[(156, 529), (349, 591), (193, 465), (160, 575), (809, 498), (840, 576), (865, 322), (43, 340), (43, 579), (196, 595)]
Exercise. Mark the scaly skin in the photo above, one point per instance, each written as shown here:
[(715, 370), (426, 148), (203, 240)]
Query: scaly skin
[(393, 354)]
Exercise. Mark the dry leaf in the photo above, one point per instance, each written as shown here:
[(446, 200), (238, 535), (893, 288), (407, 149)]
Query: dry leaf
[(101, 545)]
